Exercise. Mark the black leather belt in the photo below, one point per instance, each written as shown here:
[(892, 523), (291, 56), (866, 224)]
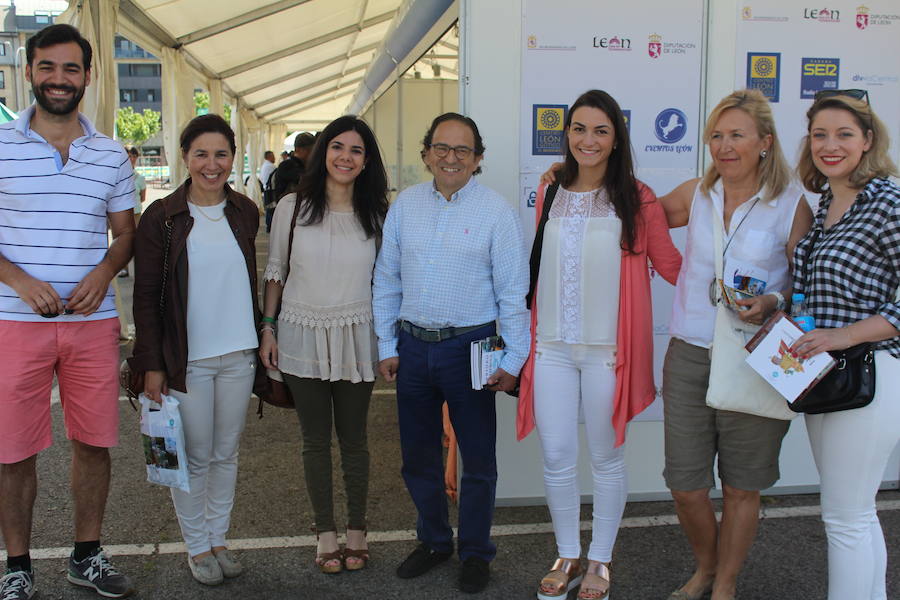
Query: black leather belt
[(437, 335)]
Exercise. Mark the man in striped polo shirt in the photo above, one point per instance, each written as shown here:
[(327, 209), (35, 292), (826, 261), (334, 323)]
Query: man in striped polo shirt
[(60, 181)]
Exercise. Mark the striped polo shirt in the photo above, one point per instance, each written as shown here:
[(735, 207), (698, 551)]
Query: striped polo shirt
[(53, 215)]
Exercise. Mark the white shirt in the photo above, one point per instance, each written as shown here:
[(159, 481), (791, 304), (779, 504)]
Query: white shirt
[(578, 286), (758, 234), (220, 305), (53, 216), (265, 170)]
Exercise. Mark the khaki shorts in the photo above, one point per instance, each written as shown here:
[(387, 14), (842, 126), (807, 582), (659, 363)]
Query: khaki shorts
[(747, 445)]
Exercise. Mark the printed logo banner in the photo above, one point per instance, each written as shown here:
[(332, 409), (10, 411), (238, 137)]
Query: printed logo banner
[(764, 73), (818, 74), (547, 129)]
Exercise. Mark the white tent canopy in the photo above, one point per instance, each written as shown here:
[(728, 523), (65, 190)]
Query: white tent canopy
[(283, 65)]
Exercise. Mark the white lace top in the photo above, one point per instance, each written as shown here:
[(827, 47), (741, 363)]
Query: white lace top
[(325, 323), (578, 284)]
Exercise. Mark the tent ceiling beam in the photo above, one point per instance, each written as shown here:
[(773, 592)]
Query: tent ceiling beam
[(310, 69), (296, 103), (310, 86), (330, 36), (248, 17), (342, 94)]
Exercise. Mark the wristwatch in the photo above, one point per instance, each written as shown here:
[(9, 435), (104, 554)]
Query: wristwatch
[(780, 298)]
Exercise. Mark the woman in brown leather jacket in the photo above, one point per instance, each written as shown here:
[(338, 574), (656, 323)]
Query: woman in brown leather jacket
[(195, 271)]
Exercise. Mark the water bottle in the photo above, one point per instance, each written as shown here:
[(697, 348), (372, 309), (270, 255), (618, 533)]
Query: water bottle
[(800, 313)]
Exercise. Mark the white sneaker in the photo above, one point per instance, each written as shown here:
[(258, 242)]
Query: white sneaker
[(231, 566), (207, 571)]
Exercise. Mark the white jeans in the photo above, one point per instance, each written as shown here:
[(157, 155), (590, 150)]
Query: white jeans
[(573, 379), (213, 414), (851, 449)]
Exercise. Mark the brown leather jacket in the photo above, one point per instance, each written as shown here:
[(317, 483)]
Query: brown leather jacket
[(161, 343)]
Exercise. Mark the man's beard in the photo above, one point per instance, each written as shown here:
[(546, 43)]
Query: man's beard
[(58, 106)]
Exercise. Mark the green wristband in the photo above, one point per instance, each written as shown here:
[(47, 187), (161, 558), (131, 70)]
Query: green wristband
[(268, 319)]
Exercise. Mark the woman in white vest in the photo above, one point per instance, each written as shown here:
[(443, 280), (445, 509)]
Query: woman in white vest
[(747, 193), (849, 268)]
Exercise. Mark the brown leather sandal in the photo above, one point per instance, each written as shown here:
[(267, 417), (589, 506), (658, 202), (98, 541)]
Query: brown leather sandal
[(325, 561), (564, 575), (589, 592), (360, 557)]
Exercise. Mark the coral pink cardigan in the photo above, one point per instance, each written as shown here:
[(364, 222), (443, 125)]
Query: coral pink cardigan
[(635, 389)]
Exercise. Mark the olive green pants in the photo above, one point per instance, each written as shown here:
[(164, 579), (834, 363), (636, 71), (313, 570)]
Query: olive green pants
[(344, 404)]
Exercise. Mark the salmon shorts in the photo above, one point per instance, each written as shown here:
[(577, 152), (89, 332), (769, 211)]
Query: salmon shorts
[(84, 355)]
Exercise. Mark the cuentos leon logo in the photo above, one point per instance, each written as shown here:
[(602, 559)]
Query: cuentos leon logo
[(822, 15), (614, 43), (532, 43), (670, 125)]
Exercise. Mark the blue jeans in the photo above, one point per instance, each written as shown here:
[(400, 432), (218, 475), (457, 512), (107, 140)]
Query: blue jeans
[(429, 375)]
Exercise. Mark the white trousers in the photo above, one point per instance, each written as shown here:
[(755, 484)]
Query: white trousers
[(571, 380), (851, 449), (213, 413)]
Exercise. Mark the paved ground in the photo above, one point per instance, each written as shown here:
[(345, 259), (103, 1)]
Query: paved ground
[(651, 557)]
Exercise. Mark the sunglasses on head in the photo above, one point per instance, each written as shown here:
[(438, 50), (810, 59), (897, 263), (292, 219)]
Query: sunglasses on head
[(854, 93)]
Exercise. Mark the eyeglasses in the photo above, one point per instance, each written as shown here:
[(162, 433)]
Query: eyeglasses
[(442, 150), (854, 93)]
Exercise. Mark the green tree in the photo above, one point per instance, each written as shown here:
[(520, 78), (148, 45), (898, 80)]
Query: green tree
[(201, 106), (136, 128)]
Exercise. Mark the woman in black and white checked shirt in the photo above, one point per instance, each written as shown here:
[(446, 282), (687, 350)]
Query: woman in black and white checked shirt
[(851, 286)]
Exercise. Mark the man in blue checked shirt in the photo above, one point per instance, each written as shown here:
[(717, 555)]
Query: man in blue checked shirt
[(452, 265)]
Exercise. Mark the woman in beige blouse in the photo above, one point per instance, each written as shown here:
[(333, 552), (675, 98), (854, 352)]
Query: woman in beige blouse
[(323, 342)]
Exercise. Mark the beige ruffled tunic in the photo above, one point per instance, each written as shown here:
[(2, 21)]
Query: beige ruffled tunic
[(325, 323)]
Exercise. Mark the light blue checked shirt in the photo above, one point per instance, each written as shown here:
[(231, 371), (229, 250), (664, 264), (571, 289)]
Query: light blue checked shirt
[(452, 264)]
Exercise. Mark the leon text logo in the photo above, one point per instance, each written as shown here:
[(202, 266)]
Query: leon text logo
[(823, 15), (614, 43), (670, 125), (764, 73), (654, 48)]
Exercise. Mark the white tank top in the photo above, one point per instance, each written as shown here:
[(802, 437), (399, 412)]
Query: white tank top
[(578, 284), (756, 242)]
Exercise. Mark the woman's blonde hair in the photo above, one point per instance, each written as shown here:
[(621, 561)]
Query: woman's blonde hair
[(875, 162), (773, 171)]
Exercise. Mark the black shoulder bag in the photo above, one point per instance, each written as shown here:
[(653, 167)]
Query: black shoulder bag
[(851, 383)]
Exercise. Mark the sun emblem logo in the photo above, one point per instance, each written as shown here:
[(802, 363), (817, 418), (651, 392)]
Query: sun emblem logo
[(764, 66), (550, 119)]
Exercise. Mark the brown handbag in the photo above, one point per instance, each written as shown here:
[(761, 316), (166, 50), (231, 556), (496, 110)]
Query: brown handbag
[(133, 381), (280, 395)]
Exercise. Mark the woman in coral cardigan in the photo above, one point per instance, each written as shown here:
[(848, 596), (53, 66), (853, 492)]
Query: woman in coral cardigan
[(592, 348)]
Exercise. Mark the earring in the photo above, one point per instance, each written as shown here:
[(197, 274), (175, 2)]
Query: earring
[(763, 153)]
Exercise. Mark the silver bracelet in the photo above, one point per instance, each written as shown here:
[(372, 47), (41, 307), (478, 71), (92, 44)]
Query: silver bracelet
[(780, 298), (268, 328)]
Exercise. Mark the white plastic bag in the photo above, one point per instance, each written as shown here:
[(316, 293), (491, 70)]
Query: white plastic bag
[(163, 439)]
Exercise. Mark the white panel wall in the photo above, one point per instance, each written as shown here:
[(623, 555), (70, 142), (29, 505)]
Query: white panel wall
[(490, 67)]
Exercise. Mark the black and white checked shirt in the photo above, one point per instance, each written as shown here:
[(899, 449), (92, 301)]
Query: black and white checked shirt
[(855, 267)]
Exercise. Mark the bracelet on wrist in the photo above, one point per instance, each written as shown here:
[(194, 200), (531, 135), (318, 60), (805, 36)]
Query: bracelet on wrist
[(268, 320), (781, 304), (267, 328)]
